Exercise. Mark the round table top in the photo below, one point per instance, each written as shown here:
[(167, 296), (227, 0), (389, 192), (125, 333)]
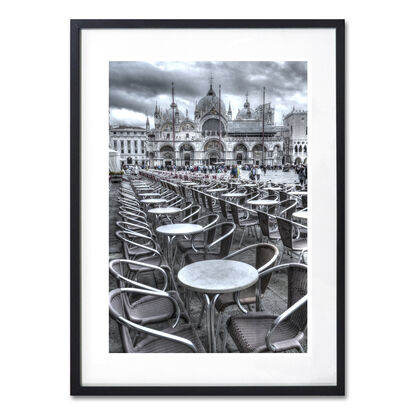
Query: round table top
[(273, 188), (302, 214), (165, 210), (189, 183), (149, 194), (218, 276), (179, 229), (153, 200), (298, 193), (234, 194), (263, 202), (222, 189), (249, 185), (203, 185)]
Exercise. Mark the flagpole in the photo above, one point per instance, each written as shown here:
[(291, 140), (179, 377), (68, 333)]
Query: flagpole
[(263, 124), (174, 129)]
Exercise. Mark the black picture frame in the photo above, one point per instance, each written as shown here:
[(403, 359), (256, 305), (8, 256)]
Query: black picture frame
[(76, 387)]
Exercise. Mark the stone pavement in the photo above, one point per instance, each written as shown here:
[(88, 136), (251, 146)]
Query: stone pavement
[(275, 299)]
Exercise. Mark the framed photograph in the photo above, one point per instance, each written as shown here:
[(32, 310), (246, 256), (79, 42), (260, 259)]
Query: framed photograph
[(207, 207)]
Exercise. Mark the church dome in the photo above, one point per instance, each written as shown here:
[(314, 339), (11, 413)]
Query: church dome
[(210, 104), (167, 115)]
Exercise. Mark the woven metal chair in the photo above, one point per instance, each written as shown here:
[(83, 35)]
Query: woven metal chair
[(176, 339), (266, 256), (199, 240), (244, 224), (287, 229), (217, 249), (259, 332), (269, 232), (145, 309), (136, 251)]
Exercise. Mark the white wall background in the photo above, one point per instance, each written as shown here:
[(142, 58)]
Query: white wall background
[(34, 100)]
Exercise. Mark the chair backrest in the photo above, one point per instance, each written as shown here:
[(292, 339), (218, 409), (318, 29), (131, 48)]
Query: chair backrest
[(287, 208), (116, 309), (235, 213), (210, 202), (224, 237), (297, 288), (120, 270), (283, 196), (304, 201), (285, 228), (203, 198), (263, 219), (191, 213), (223, 209)]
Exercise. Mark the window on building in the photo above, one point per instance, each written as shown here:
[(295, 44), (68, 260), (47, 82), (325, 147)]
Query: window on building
[(306, 130), (115, 145), (291, 130), (187, 135), (305, 149), (296, 148), (168, 135)]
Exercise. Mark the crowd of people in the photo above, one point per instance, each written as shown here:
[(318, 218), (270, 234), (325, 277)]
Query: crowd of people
[(234, 170)]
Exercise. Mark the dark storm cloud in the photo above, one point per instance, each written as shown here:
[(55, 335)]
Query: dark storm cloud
[(135, 87)]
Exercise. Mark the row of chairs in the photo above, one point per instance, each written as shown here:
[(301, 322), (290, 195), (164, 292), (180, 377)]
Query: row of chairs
[(148, 294)]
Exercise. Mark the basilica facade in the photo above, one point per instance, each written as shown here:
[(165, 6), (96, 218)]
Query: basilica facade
[(214, 136)]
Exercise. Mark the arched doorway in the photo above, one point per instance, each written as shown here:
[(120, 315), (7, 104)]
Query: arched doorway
[(167, 155), (213, 152), (258, 154), (240, 154), (186, 154), (297, 161)]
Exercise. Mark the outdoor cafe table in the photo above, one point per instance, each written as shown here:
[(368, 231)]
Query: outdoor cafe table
[(263, 202), (213, 278), (249, 185), (164, 211), (153, 201), (298, 193), (148, 194), (221, 189), (234, 195), (273, 188), (302, 214), (173, 230)]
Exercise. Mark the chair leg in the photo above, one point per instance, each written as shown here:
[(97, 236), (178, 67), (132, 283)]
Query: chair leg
[(242, 237), (199, 322), (225, 340), (218, 326)]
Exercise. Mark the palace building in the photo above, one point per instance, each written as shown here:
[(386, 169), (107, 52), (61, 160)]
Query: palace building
[(213, 136)]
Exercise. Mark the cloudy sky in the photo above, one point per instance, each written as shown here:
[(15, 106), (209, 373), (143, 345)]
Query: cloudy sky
[(135, 87)]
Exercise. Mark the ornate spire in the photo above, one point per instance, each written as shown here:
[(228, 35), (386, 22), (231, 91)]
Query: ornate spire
[(211, 92), (246, 105)]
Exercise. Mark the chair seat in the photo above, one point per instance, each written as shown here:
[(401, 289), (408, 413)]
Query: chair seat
[(274, 234), (185, 244), (151, 260), (136, 250), (299, 244), (192, 257), (150, 309), (157, 345), (248, 222), (246, 296), (248, 333)]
